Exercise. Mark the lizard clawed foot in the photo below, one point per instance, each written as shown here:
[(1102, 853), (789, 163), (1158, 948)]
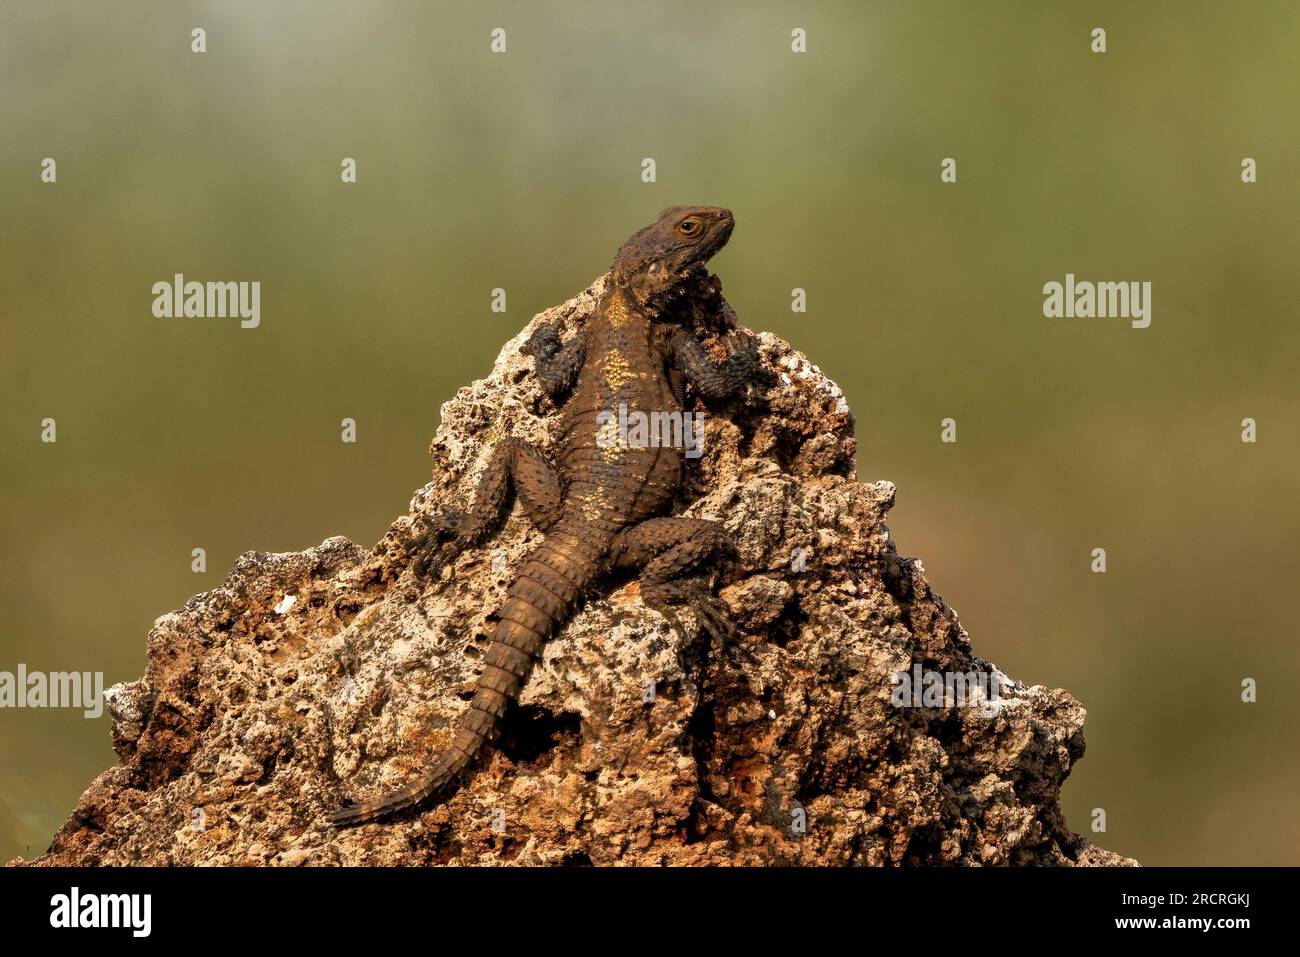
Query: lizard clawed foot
[(713, 618), (432, 546), (544, 342), (709, 611), (742, 353)]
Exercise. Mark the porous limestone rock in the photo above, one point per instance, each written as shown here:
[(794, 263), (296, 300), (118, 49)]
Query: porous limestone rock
[(638, 739)]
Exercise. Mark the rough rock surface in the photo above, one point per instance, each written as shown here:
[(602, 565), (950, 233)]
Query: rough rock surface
[(637, 740)]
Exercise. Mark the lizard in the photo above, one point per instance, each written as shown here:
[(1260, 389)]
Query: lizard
[(603, 503)]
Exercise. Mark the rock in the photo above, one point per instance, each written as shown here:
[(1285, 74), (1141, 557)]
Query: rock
[(637, 740)]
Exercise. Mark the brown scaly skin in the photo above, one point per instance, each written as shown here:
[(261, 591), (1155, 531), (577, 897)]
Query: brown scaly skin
[(602, 505)]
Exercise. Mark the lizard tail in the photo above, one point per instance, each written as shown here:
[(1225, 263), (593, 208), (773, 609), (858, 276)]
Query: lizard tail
[(542, 596), (445, 769)]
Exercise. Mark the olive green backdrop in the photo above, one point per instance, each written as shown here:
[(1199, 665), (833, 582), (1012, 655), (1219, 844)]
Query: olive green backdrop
[(522, 170)]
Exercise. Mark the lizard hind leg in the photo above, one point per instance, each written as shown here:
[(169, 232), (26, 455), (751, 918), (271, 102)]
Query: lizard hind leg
[(670, 549), (516, 469)]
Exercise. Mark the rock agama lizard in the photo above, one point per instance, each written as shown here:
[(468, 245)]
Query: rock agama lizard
[(603, 503)]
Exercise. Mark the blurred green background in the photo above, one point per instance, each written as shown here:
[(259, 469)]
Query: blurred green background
[(522, 170)]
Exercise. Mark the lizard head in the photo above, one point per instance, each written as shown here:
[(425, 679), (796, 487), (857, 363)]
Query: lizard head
[(659, 262)]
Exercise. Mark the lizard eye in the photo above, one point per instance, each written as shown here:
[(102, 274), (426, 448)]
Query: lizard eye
[(688, 227)]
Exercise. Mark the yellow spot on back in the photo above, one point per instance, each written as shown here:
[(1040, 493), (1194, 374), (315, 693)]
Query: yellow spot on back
[(609, 441), (592, 504), (617, 370)]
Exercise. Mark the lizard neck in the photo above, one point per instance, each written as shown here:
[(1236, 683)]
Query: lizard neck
[(621, 309)]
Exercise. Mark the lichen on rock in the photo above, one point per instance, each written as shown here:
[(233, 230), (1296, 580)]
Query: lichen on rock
[(638, 739)]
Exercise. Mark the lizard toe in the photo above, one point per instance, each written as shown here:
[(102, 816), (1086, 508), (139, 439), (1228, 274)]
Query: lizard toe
[(714, 619)]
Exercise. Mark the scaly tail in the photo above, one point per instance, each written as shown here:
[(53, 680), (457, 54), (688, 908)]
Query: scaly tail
[(542, 596)]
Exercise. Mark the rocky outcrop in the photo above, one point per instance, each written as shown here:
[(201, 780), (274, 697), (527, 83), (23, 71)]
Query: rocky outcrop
[(638, 739)]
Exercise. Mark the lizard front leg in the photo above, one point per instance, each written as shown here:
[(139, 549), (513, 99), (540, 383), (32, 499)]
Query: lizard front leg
[(714, 381), (557, 365), (670, 548), (515, 467)]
